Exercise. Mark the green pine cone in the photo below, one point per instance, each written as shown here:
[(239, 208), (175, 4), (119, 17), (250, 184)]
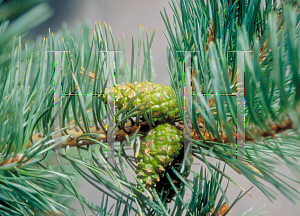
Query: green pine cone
[(165, 186), (161, 99), (157, 152)]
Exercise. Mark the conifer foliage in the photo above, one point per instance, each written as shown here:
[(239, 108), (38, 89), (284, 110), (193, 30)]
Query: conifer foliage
[(134, 140)]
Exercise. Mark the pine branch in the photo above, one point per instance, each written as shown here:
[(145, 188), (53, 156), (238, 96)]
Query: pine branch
[(120, 134), (272, 107), (215, 71)]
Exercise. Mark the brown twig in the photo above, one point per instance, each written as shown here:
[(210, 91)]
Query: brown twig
[(276, 128)]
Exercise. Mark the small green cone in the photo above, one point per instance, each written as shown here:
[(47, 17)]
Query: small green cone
[(165, 189), (157, 152), (161, 100)]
